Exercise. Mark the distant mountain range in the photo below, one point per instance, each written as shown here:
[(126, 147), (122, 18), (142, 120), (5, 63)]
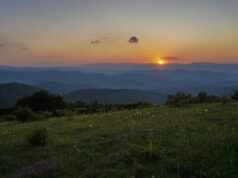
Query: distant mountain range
[(110, 68), (10, 92), (216, 79), (202, 66), (164, 81)]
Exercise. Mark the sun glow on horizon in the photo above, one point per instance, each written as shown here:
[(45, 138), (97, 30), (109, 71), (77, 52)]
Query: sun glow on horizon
[(160, 61)]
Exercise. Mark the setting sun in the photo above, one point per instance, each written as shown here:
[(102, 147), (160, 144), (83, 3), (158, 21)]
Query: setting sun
[(160, 61)]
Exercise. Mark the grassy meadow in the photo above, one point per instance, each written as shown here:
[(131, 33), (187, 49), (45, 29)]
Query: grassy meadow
[(195, 141)]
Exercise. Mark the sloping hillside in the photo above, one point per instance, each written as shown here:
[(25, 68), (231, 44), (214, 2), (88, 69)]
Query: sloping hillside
[(10, 92), (119, 96), (196, 141)]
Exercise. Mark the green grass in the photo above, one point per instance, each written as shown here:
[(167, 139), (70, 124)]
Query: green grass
[(195, 141)]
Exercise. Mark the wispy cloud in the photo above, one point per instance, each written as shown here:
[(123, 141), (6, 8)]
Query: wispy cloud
[(21, 46), (170, 58), (95, 42), (5, 43), (2, 42), (2, 45)]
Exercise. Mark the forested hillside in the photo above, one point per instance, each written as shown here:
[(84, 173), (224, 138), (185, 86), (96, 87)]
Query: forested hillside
[(10, 92), (112, 96)]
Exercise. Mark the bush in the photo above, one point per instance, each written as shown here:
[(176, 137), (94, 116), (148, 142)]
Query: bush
[(79, 104), (25, 114), (9, 117), (143, 104), (38, 137), (179, 99), (70, 115), (224, 99), (45, 114), (110, 107), (94, 107), (202, 96), (235, 95), (61, 112), (81, 110)]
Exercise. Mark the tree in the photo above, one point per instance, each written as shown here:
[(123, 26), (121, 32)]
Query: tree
[(235, 95), (42, 101), (179, 99), (79, 104), (202, 96), (94, 107)]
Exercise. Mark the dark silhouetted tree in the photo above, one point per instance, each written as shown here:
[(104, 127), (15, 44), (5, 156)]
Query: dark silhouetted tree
[(235, 95), (42, 101)]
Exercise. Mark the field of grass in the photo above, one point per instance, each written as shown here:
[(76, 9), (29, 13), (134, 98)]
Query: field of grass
[(195, 141)]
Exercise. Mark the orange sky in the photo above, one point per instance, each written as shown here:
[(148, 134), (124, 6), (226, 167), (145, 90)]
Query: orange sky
[(78, 32)]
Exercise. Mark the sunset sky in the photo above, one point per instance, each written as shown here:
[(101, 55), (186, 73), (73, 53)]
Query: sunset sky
[(74, 32)]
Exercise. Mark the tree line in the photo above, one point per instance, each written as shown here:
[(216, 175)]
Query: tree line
[(43, 104), (183, 99)]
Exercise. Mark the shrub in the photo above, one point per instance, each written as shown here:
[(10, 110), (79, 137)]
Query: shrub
[(38, 137), (110, 107), (202, 96), (179, 99), (81, 110), (235, 95), (224, 99), (79, 104), (25, 114), (61, 112), (45, 114), (143, 104), (94, 107), (9, 117), (70, 115)]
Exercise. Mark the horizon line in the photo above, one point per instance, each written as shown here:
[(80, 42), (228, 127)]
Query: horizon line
[(113, 63)]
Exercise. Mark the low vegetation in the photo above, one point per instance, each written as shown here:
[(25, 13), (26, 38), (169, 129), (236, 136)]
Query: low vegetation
[(43, 105), (183, 99), (38, 137), (199, 140), (188, 137)]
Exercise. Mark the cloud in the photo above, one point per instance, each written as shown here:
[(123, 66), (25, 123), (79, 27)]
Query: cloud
[(22, 47), (95, 42), (2, 45), (5, 43), (170, 58), (14, 46), (133, 39)]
